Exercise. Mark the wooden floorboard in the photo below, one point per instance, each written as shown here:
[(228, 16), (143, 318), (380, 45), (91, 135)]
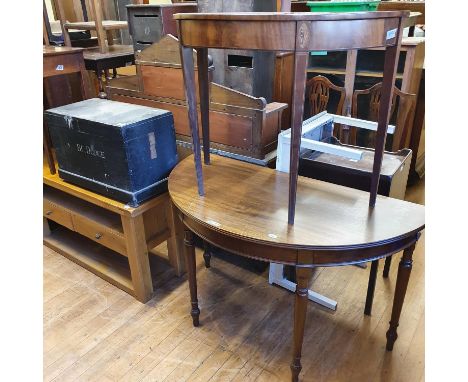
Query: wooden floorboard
[(93, 331)]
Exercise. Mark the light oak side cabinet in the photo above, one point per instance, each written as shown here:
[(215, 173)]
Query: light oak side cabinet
[(114, 241)]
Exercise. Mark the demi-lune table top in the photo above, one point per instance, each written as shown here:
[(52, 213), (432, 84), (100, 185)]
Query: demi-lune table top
[(289, 16), (251, 202)]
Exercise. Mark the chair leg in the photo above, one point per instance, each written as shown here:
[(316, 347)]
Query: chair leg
[(102, 93)]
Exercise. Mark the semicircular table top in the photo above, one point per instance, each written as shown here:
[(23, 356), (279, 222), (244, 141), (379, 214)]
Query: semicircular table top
[(251, 202), (291, 16)]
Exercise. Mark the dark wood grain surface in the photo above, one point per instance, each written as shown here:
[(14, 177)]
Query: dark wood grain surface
[(251, 202)]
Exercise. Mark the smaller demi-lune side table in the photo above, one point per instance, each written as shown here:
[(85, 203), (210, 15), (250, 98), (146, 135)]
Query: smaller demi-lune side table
[(244, 212), (298, 33)]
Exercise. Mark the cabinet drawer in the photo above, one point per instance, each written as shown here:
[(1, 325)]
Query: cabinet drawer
[(100, 234), (57, 214)]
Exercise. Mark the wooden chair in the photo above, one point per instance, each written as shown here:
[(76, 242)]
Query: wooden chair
[(318, 94), (104, 28), (406, 104)]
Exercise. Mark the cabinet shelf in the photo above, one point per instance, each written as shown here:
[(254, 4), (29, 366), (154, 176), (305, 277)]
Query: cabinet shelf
[(103, 262), (114, 241), (107, 219)]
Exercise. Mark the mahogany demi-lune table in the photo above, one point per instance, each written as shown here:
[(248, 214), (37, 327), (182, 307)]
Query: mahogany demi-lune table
[(244, 211)]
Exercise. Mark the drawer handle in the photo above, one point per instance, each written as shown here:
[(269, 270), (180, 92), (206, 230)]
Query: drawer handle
[(48, 213), (98, 236)]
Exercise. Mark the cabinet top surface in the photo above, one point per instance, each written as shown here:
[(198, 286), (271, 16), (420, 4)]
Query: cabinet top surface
[(56, 182), (290, 16), (251, 202)]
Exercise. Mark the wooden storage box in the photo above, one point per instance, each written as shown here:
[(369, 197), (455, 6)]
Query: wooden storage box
[(147, 23), (239, 123), (247, 71), (119, 150)]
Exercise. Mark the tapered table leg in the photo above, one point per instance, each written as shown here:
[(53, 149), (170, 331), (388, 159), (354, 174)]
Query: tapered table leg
[(297, 110), (386, 269), (371, 287), (192, 275), (404, 271), (300, 312), (204, 89), (188, 71), (392, 54)]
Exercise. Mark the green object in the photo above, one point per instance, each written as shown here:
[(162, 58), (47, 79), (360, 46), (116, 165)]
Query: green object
[(341, 6)]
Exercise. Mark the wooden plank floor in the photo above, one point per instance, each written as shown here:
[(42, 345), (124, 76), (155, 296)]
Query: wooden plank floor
[(96, 332)]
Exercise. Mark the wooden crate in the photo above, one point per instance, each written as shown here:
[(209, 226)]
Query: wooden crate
[(239, 123), (148, 23)]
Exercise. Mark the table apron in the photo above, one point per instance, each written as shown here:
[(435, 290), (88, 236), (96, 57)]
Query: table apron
[(298, 256), (301, 36)]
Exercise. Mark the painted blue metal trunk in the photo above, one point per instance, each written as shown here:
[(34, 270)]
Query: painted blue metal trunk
[(117, 149)]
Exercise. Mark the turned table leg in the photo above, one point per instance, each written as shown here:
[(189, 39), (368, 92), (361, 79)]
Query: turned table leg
[(404, 271), (386, 269), (192, 275), (102, 93), (371, 287), (207, 254), (300, 312)]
